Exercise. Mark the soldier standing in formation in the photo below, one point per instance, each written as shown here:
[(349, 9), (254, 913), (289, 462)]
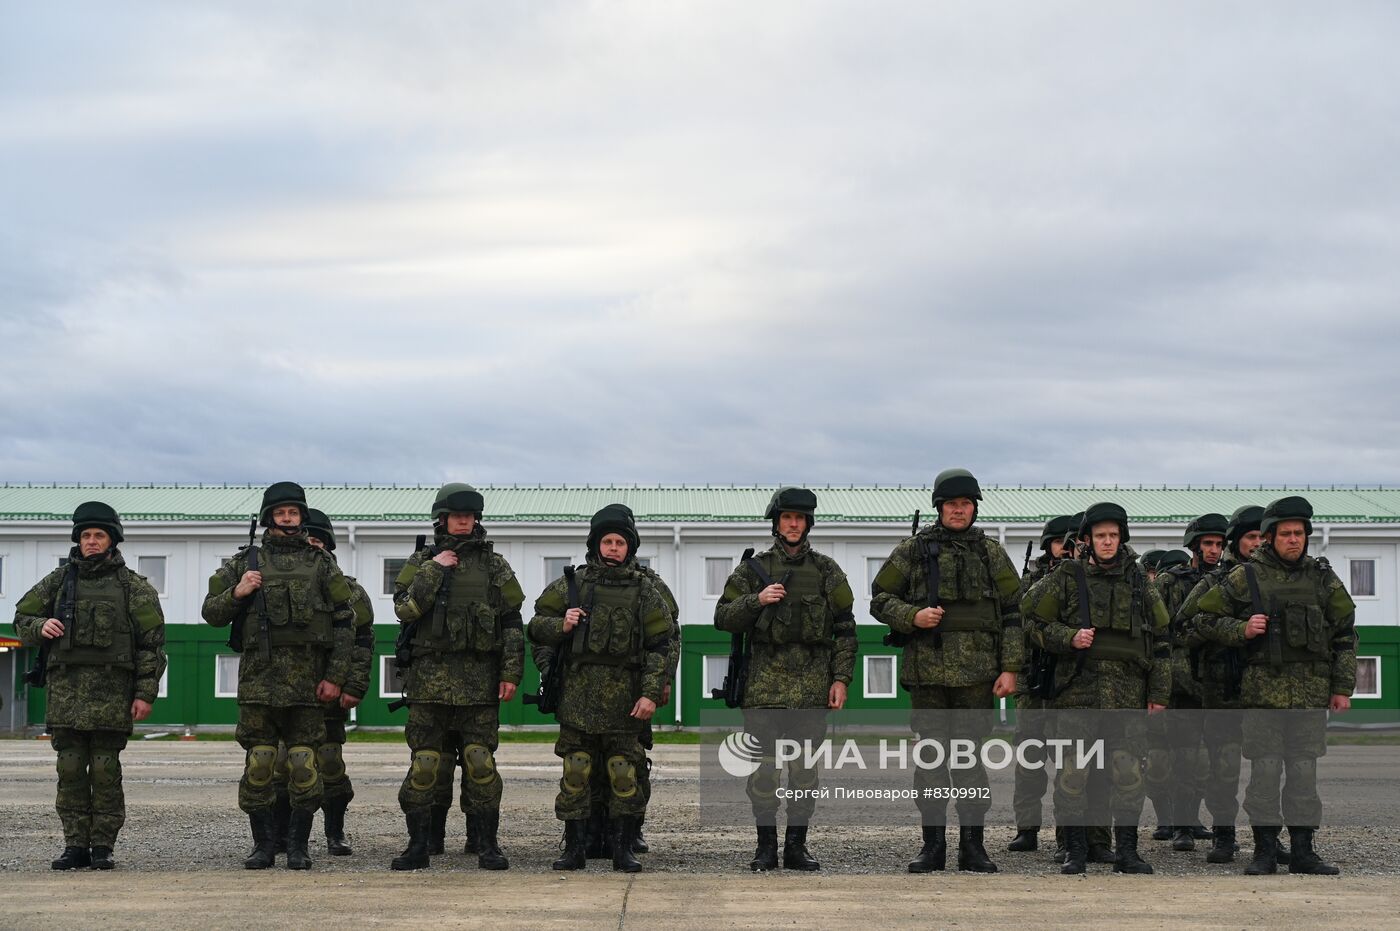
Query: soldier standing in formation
[(101, 634), (610, 624), (294, 626), (459, 602), (796, 605), (950, 593), (1296, 623), (1110, 631)]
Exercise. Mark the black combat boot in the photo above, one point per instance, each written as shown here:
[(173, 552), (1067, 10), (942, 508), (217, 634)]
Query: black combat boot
[(334, 813), (597, 842), (1100, 843), (972, 855), (298, 835), (1076, 851), (489, 856), (765, 858), (575, 855), (1304, 860), (1222, 849), (102, 858), (933, 855), (1282, 856), (1161, 806), (264, 853), (437, 829), (639, 843), (621, 842), (1182, 839), (473, 845), (415, 855), (1061, 849), (1265, 862), (281, 819), (1026, 839), (795, 855), (72, 858), (1126, 839)]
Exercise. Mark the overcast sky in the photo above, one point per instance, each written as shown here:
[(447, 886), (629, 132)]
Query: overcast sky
[(700, 242)]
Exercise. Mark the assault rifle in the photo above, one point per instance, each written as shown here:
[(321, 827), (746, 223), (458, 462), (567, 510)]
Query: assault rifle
[(66, 609), (403, 644), (931, 573), (552, 676), (736, 675), (259, 605)]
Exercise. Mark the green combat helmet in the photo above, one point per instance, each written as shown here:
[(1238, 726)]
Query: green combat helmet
[(955, 483), (1245, 520), (615, 518), (96, 514), (1076, 526), (281, 493), (1206, 525), (1152, 559), (319, 526), (1293, 507), (1173, 558), (1056, 528), (458, 498), (1105, 511), (791, 498)]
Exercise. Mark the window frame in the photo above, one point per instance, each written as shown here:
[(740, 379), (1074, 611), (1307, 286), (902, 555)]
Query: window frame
[(1380, 689), (163, 687), (705, 576), (384, 679), (386, 582), (549, 576), (706, 686), (1375, 578), (865, 675), (164, 591), (219, 659)]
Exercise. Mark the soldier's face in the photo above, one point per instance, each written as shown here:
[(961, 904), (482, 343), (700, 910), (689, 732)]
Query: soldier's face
[(461, 525), (1057, 549), (791, 526), (957, 513), (613, 547), (316, 542), (1212, 548), (286, 519), (1105, 537), (1249, 543), (94, 540), (1290, 539)]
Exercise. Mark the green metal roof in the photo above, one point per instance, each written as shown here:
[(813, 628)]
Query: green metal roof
[(698, 503)]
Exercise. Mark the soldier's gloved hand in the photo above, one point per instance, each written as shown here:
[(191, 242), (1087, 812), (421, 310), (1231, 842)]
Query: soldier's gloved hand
[(1083, 639), (1005, 685), (140, 710), (327, 690), (836, 696), (772, 594), (251, 582), (1340, 703), (52, 629), (643, 709), (447, 559), (1256, 626), (348, 701), (571, 618), (506, 692), (928, 618)]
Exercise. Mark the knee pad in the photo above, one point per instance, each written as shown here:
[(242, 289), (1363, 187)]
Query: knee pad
[(1127, 771), (106, 770), (622, 776), (1201, 768), (578, 767), (257, 768), (1227, 762), (764, 780), (423, 770), (279, 765), (479, 763), (71, 764), (1267, 767), (1072, 781), (1296, 769), (301, 767), (330, 759), (803, 778), (1159, 766)]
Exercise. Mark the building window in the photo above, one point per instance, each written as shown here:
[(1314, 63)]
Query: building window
[(873, 565), (163, 691), (1368, 677), (716, 668), (392, 568), (390, 679), (554, 567), (644, 562), (226, 675), (717, 569), (879, 677), (1363, 578), (153, 568)]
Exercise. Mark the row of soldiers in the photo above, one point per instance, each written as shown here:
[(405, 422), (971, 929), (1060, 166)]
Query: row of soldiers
[(971, 630)]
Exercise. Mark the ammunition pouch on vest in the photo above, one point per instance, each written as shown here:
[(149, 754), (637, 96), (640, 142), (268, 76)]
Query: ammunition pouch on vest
[(1297, 621), (297, 613), (804, 615), (465, 616), (102, 632), (611, 635)]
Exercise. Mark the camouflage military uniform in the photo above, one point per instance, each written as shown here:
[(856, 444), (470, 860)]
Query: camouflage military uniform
[(952, 666), (1307, 656), (468, 639), (1177, 764), (1031, 782), (310, 625), (1127, 667), (112, 654), (800, 647)]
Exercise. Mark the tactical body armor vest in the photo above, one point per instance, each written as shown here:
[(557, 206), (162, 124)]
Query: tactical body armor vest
[(465, 614), (297, 614), (804, 615), (966, 591), (100, 632), (1298, 606), (612, 600), (1118, 614)]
